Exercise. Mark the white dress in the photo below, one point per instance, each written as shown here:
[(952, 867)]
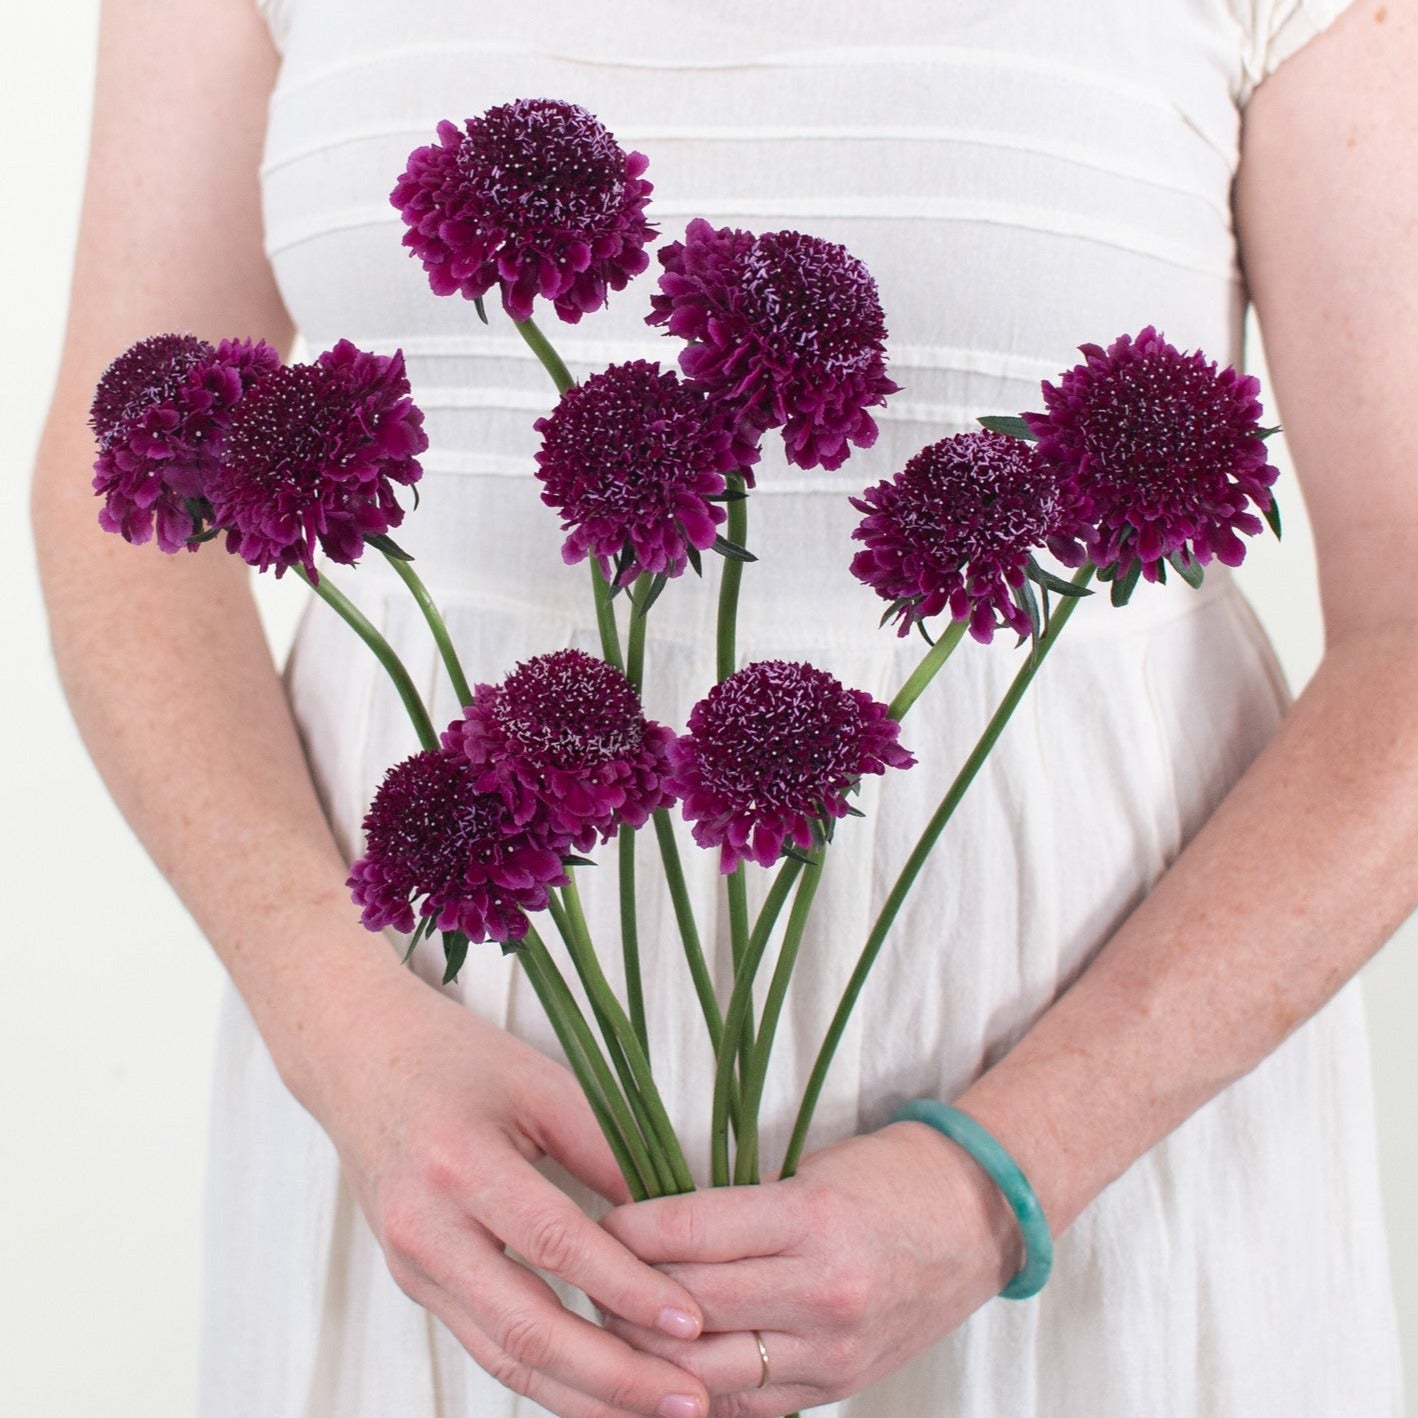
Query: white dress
[(1021, 176)]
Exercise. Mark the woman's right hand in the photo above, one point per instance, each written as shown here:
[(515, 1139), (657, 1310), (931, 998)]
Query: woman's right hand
[(438, 1117)]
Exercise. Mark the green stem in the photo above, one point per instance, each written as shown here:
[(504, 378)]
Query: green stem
[(590, 1067), (542, 348), (383, 651), (630, 936), (926, 671), (740, 1004), (603, 997), (746, 1164), (605, 617), (914, 863), (635, 649), (436, 624), (736, 886), (736, 531), (625, 846), (688, 926), (569, 924)]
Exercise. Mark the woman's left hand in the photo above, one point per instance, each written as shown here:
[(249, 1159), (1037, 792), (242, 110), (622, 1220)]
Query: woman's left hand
[(879, 1246)]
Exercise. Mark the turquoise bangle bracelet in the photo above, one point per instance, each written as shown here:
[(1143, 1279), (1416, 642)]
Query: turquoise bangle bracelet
[(1004, 1171)]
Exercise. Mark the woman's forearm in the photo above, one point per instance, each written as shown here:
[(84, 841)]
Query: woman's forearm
[(171, 682), (1305, 869)]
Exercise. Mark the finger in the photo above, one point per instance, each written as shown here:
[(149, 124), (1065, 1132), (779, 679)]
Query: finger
[(760, 1293), (549, 1231), (708, 1227), (533, 1332), (565, 1128), (547, 1392), (724, 1363)]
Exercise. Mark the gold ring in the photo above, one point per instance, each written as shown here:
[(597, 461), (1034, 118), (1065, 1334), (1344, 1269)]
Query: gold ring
[(762, 1358)]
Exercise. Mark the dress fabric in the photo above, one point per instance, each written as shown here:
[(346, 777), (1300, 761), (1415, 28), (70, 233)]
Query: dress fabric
[(1021, 176)]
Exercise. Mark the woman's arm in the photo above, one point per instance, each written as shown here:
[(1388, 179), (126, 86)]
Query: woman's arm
[(436, 1114), (1305, 869)]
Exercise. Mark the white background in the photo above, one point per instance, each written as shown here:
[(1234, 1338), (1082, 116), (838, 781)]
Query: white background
[(109, 995)]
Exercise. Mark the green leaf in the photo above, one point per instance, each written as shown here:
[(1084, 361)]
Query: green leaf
[(925, 634), (1028, 602), (481, 309), (577, 862), (691, 553), (206, 536), (658, 582), (1011, 424), (388, 546), (1264, 433), (896, 607), (1272, 516), (1188, 568), (1126, 584), (797, 855), (729, 494), (1053, 583), (422, 931), (455, 952), (854, 811), (623, 562), (732, 550)]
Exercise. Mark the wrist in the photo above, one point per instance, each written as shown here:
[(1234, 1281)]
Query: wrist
[(971, 1191)]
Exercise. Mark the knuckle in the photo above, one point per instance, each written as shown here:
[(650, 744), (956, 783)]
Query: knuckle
[(509, 1373), (551, 1244), (403, 1229), (525, 1340), (732, 1405), (847, 1299)]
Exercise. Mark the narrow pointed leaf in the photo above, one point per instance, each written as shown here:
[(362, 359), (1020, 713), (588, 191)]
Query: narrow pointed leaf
[(1190, 570), (1050, 582), (657, 584), (1125, 585), (481, 309), (455, 952), (732, 550), (380, 542), (1010, 424), (1272, 516)]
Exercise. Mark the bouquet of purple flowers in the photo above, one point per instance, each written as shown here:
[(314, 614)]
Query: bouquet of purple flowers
[(1142, 459)]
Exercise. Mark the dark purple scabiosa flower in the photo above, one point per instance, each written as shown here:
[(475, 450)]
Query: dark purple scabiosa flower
[(631, 460), (1166, 448), (956, 528), (566, 744), (535, 197), (435, 842), (159, 414), (311, 456), (771, 754), (785, 330)]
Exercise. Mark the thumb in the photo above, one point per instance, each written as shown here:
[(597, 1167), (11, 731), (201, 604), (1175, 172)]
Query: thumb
[(565, 1128)]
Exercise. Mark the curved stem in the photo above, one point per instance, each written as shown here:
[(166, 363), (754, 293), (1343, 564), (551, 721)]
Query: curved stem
[(927, 670), (688, 926), (635, 649), (746, 1164), (383, 651), (579, 1045), (916, 861), (740, 1002), (436, 624), (542, 348), (598, 987)]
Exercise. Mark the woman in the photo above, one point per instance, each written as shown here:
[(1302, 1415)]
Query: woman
[(1019, 178)]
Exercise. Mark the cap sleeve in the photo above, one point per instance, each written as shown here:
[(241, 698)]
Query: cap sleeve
[(276, 14), (1276, 29)]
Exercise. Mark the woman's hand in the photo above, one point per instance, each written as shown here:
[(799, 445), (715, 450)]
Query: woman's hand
[(438, 1117), (878, 1247)]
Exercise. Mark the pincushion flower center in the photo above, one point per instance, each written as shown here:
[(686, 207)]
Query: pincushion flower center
[(1161, 427), (545, 167), (571, 719), (148, 374), (811, 299)]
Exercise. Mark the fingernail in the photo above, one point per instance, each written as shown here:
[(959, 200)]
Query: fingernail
[(680, 1405), (679, 1324)]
